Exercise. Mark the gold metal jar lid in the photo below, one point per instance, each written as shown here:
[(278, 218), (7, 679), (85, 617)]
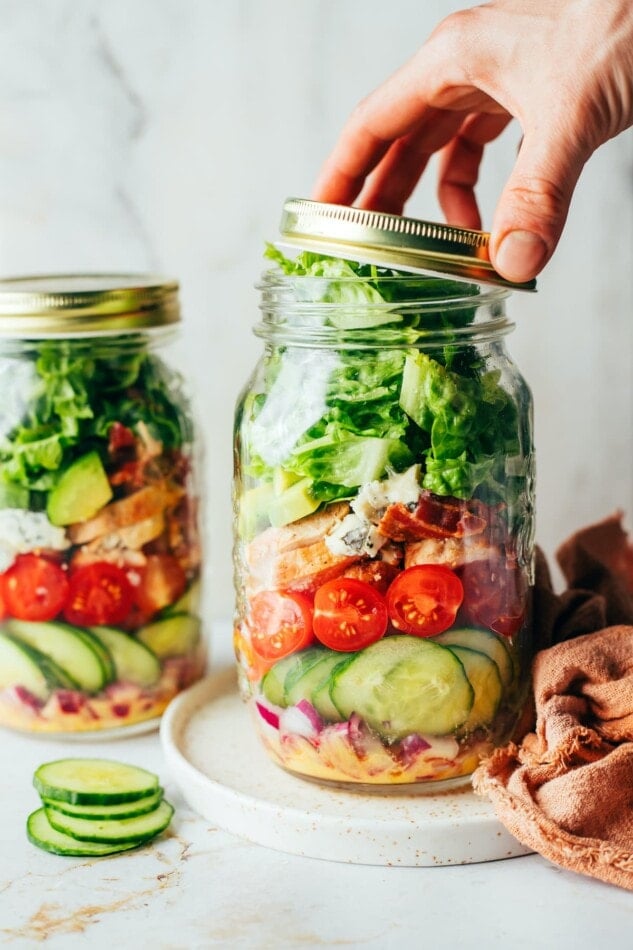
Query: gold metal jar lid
[(391, 240), (62, 304)]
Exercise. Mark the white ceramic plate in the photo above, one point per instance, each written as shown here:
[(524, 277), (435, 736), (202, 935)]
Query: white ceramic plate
[(225, 775)]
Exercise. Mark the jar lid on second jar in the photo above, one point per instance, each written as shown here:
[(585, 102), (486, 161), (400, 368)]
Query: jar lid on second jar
[(64, 304), (391, 240)]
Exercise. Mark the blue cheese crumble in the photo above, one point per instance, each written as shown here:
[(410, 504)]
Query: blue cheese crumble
[(22, 531)]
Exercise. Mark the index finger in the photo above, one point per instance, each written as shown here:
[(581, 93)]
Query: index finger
[(435, 78), (392, 111)]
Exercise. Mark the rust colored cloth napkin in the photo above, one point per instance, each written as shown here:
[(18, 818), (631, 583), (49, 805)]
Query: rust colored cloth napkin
[(564, 787)]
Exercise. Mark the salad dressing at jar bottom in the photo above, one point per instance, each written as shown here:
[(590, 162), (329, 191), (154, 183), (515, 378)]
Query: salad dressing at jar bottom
[(99, 537), (383, 498)]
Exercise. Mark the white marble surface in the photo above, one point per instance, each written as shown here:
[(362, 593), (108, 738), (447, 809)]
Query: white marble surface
[(197, 887), (165, 134)]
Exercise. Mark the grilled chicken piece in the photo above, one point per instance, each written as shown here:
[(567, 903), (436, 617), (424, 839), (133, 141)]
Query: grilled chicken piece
[(452, 552), (296, 556), (122, 547), (146, 503)]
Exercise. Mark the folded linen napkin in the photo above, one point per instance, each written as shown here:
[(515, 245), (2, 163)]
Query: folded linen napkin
[(565, 788)]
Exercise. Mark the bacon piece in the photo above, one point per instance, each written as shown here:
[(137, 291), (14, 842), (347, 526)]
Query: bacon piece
[(377, 573), (435, 516)]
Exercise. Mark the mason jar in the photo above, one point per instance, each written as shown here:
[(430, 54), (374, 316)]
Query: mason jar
[(383, 500), (99, 538)]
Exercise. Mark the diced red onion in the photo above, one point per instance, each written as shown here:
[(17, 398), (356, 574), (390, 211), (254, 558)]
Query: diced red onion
[(414, 744), (363, 740), (301, 720), (24, 697), (311, 714), (268, 714)]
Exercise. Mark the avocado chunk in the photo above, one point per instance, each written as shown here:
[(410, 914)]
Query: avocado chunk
[(253, 510), (81, 491), (293, 503)]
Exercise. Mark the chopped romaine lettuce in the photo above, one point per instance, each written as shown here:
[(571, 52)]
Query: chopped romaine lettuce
[(70, 399), (346, 417)]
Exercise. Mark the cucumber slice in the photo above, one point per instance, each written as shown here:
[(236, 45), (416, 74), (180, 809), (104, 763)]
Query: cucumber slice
[(303, 683), (485, 641), (402, 685), (23, 665), (322, 700), (305, 661), (272, 685), (133, 661), (93, 781), (123, 810), (189, 603), (483, 675), (114, 830), (75, 650), (40, 833), (320, 694), (175, 635)]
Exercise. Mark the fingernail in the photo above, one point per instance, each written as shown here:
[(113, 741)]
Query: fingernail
[(520, 255)]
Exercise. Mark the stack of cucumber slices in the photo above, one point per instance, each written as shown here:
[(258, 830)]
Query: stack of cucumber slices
[(401, 685), (93, 807)]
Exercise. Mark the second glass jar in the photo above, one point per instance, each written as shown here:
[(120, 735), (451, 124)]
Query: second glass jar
[(384, 526), (100, 556)]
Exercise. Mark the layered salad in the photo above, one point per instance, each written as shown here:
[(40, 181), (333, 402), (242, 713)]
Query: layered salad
[(383, 498), (99, 546)]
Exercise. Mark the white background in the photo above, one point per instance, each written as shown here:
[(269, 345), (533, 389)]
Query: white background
[(164, 135)]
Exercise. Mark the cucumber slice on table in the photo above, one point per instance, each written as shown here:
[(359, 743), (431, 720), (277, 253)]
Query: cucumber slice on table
[(402, 685), (175, 635), (133, 661), (22, 665), (485, 641), (41, 833), (483, 675), (93, 781), (122, 810), (115, 830), (75, 650)]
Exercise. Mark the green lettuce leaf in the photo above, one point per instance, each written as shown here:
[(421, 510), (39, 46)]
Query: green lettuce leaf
[(345, 417), (71, 398)]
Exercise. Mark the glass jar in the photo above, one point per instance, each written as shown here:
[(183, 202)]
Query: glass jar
[(99, 541), (383, 500)]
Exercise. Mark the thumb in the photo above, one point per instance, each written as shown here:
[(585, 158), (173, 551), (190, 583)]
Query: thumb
[(534, 204)]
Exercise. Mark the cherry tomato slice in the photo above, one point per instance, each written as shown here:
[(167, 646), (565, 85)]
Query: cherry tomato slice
[(494, 595), (349, 614), (253, 665), (424, 600), (162, 582), (99, 593), (280, 623), (34, 588)]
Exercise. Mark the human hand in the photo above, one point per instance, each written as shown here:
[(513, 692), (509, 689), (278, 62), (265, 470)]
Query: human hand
[(563, 68)]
